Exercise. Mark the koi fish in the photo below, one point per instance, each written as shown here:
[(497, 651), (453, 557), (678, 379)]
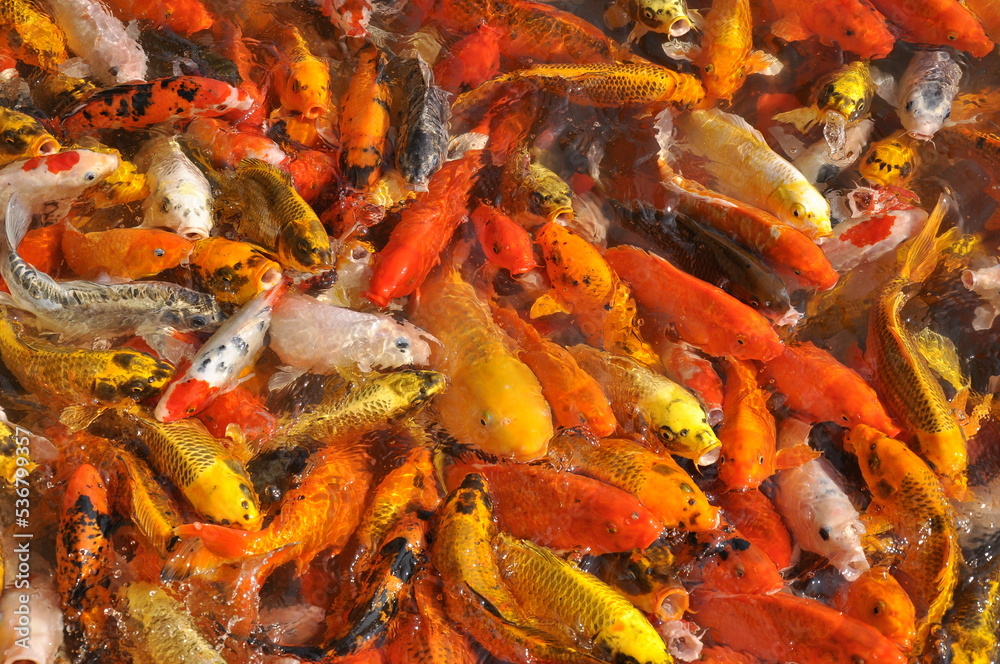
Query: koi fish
[(783, 247), (160, 628), (937, 22), (142, 105), (575, 397), (182, 16), (764, 626), (648, 579), (651, 277), (686, 366), (926, 91), (261, 203), (822, 389), (723, 560), (83, 559), (151, 509), (86, 309), (233, 272), (351, 339), (913, 499), (78, 376), (31, 35), (662, 486), (649, 403), (754, 515), (302, 80), (423, 133), (748, 433), (55, 178), (504, 241), (219, 363), (424, 229), (846, 92), (180, 196), (128, 253), (891, 161), (539, 194), (902, 377), (669, 17), (364, 119), (556, 590), (228, 145), (753, 172), (96, 35), (562, 510), (876, 598), (472, 61), (22, 137), (428, 635), (969, 626), (851, 24)]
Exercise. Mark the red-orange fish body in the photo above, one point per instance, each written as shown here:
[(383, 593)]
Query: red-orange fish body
[(852, 24), (182, 16), (876, 598), (748, 433), (364, 119), (937, 22), (504, 241), (129, 253), (473, 60), (723, 560), (757, 520), (228, 145), (142, 105)]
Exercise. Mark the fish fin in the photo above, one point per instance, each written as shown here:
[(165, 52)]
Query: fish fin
[(940, 353), (17, 220), (680, 50), (697, 20), (190, 557), (760, 62), (240, 448), (803, 119), (284, 377), (922, 252), (549, 303), (223, 542), (979, 412), (739, 123), (616, 16), (790, 28), (78, 418), (666, 138), (885, 85), (638, 32), (254, 162), (795, 456)]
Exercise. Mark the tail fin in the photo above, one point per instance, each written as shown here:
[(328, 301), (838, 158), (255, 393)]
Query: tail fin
[(17, 221), (921, 255), (189, 559)]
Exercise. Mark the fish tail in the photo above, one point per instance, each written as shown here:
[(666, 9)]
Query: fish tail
[(922, 253), (17, 220), (190, 558), (205, 547), (223, 542)]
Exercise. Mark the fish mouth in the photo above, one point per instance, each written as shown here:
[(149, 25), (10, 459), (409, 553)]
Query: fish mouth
[(313, 112), (671, 603), (269, 279), (192, 234), (562, 215), (680, 26), (45, 145), (709, 456)]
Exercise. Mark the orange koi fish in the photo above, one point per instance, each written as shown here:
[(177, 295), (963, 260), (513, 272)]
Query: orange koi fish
[(759, 522), (364, 119), (877, 599), (785, 628), (937, 22), (661, 485), (128, 253), (583, 283), (312, 171), (575, 397), (723, 560), (748, 433), (913, 499), (786, 249), (423, 231), (302, 80), (851, 24), (238, 406), (228, 145), (83, 559), (30, 35), (903, 378), (685, 366), (504, 241), (562, 510), (142, 105), (319, 514), (184, 17), (472, 61), (700, 314), (821, 389)]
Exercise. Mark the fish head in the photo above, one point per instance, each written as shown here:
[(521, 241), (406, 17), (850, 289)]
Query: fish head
[(154, 250), (925, 110), (847, 96), (402, 343), (723, 77), (307, 90), (802, 207), (217, 96), (65, 175), (183, 206), (877, 599), (664, 16), (22, 137), (183, 399), (549, 196), (131, 374), (234, 501), (416, 387), (303, 249), (191, 311)]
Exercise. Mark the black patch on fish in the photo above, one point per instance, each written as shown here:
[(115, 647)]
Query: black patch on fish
[(142, 99), (739, 544), (123, 360)]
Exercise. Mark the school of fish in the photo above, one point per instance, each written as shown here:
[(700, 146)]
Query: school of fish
[(537, 332)]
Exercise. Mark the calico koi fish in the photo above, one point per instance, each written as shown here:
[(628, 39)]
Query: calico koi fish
[(221, 361), (754, 515), (233, 272), (142, 105), (722, 560)]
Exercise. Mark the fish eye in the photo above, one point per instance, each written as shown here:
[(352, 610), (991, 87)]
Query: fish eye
[(741, 73), (861, 105), (648, 14), (878, 608), (845, 418), (740, 339), (486, 418), (709, 68), (402, 343), (90, 176), (165, 205), (952, 36), (199, 321), (796, 213), (158, 252)]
